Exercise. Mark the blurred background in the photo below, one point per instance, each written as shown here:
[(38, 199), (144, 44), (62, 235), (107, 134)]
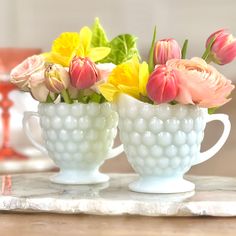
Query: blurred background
[(34, 24)]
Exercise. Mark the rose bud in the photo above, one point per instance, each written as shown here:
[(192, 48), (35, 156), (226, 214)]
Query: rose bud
[(57, 78), (223, 49), (83, 73), (162, 85), (165, 50)]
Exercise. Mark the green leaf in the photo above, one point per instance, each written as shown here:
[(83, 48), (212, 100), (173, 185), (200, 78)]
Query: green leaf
[(145, 99), (99, 38), (82, 98), (123, 48), (173, 102), (66, 96), (49, 99), (184, 49), (87, 96), (151, 51), (212, 110), (95, 97), (207, 52)]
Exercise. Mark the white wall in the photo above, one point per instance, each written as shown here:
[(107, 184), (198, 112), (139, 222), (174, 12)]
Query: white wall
[(35, 23)]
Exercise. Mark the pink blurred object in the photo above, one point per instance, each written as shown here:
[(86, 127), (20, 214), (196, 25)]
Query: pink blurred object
[(9, 58)]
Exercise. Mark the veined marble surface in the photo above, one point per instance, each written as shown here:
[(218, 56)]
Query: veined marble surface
[(214, 196)]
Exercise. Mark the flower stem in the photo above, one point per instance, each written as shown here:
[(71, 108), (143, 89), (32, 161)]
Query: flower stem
[(184, 49), (66, 96), (207, 52), (151, 52), (49, 99)]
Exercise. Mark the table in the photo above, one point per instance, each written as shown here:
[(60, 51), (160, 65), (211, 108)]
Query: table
[(74, 225), (14, 222)]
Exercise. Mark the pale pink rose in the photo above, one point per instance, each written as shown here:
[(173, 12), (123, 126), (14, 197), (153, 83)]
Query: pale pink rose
[(20, 75), (38, 87), (200, 83), (104, 70)]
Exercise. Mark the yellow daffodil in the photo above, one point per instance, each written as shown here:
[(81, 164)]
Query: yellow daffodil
[(129, 77), (70, 44)]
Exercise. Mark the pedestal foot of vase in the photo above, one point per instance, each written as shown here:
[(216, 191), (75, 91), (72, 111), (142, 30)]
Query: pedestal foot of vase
[(79, 177), (161, 185)]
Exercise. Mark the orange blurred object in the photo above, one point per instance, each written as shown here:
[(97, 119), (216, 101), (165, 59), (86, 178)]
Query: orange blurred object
[(9, 58), (6, 185)]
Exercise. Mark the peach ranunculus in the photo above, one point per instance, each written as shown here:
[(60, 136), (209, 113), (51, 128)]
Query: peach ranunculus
[(200, 83), (21, 74)]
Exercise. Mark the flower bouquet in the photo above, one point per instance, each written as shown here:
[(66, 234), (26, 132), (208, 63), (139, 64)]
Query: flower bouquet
[(75, 66), (78, 124), (163, 108)]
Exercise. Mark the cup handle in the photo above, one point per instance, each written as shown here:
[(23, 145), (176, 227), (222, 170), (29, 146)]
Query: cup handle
[(27, 131), (115, 151), (204, 156)]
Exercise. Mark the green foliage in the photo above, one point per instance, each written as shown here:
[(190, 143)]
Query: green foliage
[(123, 48), (99, 37), (184, 49), (151, 51), (212, 110)]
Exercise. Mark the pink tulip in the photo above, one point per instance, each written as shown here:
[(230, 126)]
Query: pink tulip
[(83, 73), (223, 49), (200, 83), (165, 50), (162, 85)]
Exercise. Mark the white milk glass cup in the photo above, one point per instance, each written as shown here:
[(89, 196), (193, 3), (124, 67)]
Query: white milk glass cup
[(78, 138), (162, 142)]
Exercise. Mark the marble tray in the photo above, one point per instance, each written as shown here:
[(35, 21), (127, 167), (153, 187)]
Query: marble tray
[(214, 196)]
